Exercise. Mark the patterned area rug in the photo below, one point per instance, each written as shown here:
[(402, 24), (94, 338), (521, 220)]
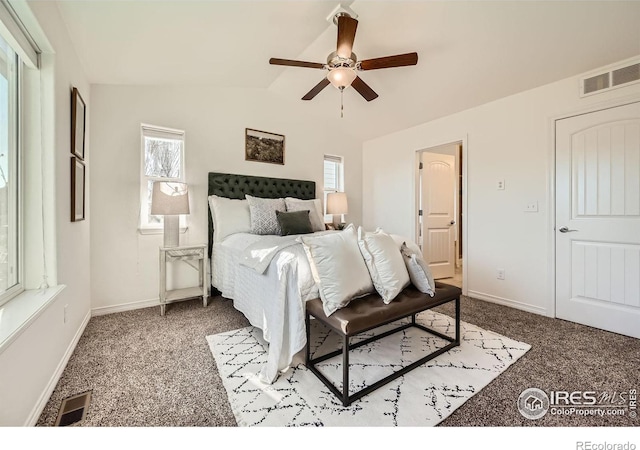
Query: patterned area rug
[(422, 397)]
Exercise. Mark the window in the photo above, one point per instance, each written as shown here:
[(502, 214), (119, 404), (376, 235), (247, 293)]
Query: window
[(333, 179), (10, 233), (162, 160)]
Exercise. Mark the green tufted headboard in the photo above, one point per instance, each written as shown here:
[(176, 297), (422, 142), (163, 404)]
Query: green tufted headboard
[(236, 186)]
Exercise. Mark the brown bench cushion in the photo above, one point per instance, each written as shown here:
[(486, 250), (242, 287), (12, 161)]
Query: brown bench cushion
[(369, 312)]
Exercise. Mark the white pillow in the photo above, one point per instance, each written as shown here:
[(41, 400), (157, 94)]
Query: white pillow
[(263, 214), (229, 216), (315, 210), (384, 261), (419, 270), (337, 267)]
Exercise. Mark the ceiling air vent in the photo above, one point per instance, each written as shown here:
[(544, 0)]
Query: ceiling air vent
[(617, 76), (625, 75)]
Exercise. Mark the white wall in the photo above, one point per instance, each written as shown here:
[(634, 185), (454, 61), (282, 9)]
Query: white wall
[(508, 139), (33, 362), (124, 263)]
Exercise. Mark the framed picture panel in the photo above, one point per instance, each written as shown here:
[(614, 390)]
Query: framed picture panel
[(263, 146), (78, 183), (78, 117)]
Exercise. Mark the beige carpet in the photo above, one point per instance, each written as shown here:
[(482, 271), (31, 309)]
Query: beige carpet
[(148, 370)]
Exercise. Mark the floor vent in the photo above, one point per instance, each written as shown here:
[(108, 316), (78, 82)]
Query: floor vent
[(73, 409), (604, 80)]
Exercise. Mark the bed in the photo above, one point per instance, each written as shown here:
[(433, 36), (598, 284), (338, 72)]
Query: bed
[(270, 289)]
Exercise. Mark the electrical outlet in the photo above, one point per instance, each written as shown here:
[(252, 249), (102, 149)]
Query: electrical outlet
[(531, 207), (500, 185), (500, 274), (65, 313)]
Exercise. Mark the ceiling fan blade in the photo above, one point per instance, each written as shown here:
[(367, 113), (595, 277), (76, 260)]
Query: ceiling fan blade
[(316, 89), (407, 59), (294, 63), (346, 35), (364, 89)]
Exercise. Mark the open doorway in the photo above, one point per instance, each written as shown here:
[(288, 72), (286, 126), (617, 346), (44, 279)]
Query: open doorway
[(439, 219)]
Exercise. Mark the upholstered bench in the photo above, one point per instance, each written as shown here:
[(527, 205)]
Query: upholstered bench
[(370, 312)]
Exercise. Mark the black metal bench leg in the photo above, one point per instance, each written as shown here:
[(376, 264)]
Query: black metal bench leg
[(345, 371), (457, 321), (307, 326)]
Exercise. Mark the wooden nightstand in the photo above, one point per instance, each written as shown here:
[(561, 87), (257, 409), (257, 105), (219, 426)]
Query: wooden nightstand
[(194, 256)]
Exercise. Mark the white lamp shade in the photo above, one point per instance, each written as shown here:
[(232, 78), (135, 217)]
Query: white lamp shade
[(341, 77), (169, 198), (337, 203)]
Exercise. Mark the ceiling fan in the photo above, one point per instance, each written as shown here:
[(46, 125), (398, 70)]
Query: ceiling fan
[(343, 63)]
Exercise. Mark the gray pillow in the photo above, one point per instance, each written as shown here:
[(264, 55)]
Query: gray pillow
[(294, 222), (418, 269), (263, 214)]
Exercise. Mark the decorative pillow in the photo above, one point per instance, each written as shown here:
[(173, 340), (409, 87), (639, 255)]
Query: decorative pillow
[(419, 271), (315, 210), (384, 261), (294, 222), (263, 214), (337, 267), (229, 216)]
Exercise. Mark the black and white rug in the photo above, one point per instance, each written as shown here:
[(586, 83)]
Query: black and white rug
[(422, 397)]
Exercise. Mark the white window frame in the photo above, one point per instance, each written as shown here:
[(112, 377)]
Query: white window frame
[(339, 161), (16, 197), (147, 130)]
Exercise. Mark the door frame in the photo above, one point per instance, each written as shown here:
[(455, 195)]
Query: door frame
[(551, 241), (465, 217)]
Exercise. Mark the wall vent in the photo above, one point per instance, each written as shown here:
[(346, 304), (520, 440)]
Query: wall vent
[(605, 80), (73, 409)]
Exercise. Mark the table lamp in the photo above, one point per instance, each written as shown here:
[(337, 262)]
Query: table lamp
[(170, 199), (337, 205)]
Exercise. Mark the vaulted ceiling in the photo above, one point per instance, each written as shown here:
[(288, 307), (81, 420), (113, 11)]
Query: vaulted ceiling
[(470, 52)]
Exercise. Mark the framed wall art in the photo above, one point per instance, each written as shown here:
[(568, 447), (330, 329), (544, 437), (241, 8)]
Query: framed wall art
[(78, 118), (78, 182), (264, 147)]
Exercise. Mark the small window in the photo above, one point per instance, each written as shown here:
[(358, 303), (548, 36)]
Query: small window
[(333, 179), (162, 160)]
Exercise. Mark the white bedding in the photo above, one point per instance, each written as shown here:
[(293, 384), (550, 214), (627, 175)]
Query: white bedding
[(269, 280)]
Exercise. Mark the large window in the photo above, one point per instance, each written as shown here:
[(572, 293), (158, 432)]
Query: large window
[(333, 179), (162, 160), (10, 276)]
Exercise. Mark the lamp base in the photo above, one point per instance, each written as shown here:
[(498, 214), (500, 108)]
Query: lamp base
[(172, 231)]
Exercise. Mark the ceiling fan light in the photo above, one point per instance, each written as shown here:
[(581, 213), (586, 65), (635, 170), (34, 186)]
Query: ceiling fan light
[(341, 77)]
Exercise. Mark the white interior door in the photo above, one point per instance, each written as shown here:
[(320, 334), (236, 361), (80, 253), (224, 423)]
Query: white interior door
[(439, 186), (598, 219)]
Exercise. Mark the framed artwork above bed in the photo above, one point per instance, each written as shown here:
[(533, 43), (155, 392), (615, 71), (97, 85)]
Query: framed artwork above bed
[(262, 146)]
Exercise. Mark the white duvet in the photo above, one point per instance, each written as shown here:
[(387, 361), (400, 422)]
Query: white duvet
[(269, 280)]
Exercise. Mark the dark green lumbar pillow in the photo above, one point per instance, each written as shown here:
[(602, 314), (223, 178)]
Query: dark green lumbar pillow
[(294, 222)]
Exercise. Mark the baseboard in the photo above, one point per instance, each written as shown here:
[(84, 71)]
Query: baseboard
[(32, 420), (507, 302), (102, 310)]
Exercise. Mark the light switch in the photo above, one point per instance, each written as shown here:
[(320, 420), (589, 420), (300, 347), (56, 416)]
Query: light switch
[(531, 207)]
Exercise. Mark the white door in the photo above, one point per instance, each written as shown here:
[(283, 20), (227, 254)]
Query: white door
[(438, 213), (598, 219)]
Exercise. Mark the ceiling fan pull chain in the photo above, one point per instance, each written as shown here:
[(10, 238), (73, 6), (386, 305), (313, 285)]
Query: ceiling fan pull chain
[(341, 102)]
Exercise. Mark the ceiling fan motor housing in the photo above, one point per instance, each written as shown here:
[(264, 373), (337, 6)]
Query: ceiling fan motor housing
[(334, 60)]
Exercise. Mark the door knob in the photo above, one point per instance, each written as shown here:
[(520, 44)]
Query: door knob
[(565, 230), (453, 222)]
